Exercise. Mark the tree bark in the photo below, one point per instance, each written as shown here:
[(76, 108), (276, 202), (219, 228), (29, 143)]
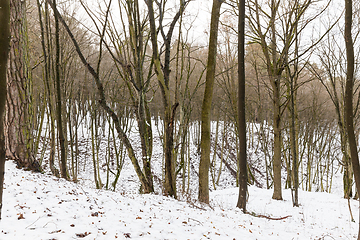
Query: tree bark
[(19, 115), (63, 168), (206, 106), (241, 109), (4, 52), (275, 78), (349, 117)]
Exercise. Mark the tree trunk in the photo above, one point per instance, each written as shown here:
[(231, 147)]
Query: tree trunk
[(19, 115), (4, 50), (206, 106), (136, 34), (163, 75), (48, 91), (241, 109), (63, 169), (294, 147), (349, 118), (275, 78), (277, 138)]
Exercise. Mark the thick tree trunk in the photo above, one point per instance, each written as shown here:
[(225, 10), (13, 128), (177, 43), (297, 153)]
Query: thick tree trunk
[(18, 124), (241, 109), (206, 106), (15, 142), (4, 50)]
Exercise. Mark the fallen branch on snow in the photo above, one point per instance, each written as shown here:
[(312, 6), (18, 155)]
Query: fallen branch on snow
[(267, 217)]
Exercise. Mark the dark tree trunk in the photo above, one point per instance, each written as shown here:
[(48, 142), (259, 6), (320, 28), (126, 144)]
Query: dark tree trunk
[(4, 52), (60, 129), (349, 118), (241, 109)]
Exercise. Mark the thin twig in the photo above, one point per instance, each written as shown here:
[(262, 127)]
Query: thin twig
[(267, 217), (195, 220), (35, 221)]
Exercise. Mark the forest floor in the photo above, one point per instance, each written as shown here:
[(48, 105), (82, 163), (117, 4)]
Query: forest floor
[(40, 206)]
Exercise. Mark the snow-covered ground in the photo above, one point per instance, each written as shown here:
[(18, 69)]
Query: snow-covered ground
[(40, 206)]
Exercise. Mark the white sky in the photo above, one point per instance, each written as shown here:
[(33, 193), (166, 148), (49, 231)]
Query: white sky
[(196, 17)]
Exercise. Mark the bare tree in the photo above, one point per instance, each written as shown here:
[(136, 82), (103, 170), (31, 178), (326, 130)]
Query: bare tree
[(275, 27), (63, 168), (349, 115), (242, 158), (207, 102), (46, 50), (332, 75), (147, 186), (162, 70)]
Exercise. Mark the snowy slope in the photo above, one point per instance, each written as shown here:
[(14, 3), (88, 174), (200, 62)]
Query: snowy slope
[(39, 206)]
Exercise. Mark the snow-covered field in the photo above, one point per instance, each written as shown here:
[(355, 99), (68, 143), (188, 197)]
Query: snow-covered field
[(39, 206)]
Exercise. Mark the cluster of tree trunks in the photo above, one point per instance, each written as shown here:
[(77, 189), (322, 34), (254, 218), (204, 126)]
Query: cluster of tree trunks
[(18, 139)]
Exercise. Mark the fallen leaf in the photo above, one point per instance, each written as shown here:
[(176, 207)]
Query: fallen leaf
[(21, 216), (82, 235)]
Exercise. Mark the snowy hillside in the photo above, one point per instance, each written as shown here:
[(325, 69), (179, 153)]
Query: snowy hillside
[(39, 206)]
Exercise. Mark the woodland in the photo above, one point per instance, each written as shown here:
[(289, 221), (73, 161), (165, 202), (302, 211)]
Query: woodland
[(196, 96)]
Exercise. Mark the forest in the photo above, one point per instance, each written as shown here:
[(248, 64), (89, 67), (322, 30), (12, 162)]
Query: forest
[(185, 100)]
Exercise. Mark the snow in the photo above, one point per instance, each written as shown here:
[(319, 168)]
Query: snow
[(40, 206)]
